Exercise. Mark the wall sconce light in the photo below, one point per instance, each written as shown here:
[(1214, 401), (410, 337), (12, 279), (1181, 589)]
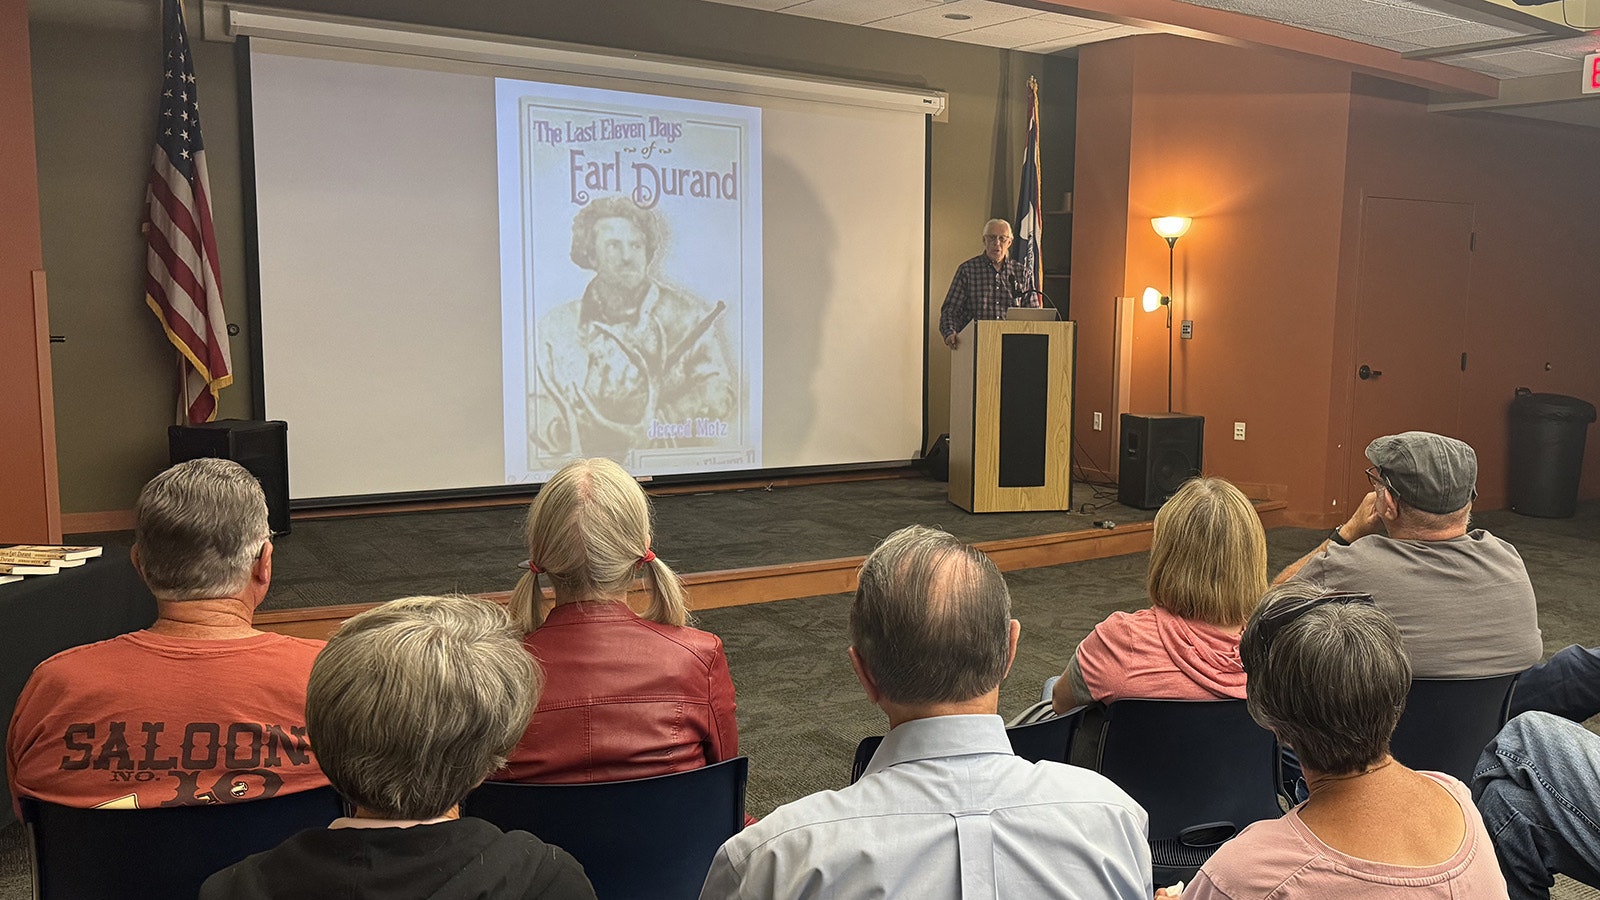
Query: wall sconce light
[(1170, 228), (1154, 300)]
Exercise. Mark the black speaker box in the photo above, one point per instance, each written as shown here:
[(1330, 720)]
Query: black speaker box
[(261, 447), (1160, 451)]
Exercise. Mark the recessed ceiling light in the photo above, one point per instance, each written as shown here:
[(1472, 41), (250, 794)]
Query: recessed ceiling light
[(959, 17)]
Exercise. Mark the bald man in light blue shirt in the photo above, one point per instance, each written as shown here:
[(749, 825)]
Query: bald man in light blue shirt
[(944, 809)]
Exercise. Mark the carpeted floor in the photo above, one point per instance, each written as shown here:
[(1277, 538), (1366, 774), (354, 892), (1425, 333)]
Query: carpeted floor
[(369, 559), (801, 712)]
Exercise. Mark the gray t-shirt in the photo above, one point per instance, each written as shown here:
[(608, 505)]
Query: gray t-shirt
[(1464, 606)]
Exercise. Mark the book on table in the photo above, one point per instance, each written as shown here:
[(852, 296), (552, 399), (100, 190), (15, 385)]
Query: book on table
[(57, 550), (17, 570), (32, 558)]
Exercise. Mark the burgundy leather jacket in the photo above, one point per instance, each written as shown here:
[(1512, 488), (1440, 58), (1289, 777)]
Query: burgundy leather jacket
[(623, 698)]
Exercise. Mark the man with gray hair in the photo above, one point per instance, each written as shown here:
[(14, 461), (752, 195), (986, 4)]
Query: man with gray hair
[(1461, 598), (198, 708), (944, 809), (985, 286)]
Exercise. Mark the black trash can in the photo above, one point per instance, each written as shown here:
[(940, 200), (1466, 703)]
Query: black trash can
[(1547, 435)]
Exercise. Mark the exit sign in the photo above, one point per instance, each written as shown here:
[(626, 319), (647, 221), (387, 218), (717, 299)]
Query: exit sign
[(1591, 74)]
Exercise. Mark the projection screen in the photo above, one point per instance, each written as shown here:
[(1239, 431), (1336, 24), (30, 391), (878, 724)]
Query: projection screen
[(471, 272)]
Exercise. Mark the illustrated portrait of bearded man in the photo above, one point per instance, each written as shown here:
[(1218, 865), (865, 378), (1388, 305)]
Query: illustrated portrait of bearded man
[(632, 351)]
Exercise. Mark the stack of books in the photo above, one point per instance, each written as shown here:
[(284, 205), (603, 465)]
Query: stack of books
[(41, 559)]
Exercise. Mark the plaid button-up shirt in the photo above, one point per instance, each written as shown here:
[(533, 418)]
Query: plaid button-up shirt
[(980, 291)]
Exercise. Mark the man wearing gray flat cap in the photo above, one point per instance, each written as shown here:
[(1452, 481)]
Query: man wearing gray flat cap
[(1461, 598)]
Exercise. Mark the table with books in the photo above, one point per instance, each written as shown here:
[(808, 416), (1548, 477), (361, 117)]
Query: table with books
[(80, 601)]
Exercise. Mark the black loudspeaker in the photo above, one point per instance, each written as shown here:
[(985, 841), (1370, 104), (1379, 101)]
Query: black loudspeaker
[(1160, 451), (261, 447)]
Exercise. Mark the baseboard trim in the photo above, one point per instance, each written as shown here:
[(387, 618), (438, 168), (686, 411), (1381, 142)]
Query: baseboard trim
[(92, 522), (1262, 492), (765, 584)]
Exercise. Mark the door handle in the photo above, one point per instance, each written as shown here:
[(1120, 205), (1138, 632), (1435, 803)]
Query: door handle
[(1367, 372)]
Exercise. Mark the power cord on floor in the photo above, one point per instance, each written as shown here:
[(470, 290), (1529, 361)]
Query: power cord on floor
[(1103, 491)]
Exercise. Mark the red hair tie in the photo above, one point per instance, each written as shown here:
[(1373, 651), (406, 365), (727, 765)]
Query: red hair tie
[(534, 568), (649, 556)]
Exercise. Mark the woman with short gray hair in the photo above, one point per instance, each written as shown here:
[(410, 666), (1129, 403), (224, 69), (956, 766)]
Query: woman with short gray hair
[(410, 706), (1329, 676)]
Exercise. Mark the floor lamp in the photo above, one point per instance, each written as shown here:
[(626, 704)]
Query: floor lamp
[(1170, 228)]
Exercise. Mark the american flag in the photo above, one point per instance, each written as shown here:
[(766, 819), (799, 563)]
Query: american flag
[(183, 285), (1030, 218)]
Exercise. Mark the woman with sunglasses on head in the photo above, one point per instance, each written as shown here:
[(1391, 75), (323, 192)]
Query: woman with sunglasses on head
[(626, 696), (1208, 569), (1329, 676)]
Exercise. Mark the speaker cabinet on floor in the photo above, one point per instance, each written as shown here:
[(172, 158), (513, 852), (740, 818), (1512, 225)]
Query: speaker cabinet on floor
[(1160, 451), (261, 447)]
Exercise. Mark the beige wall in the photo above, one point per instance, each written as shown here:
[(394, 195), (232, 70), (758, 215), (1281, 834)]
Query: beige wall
[(115, 377), (94, 94)]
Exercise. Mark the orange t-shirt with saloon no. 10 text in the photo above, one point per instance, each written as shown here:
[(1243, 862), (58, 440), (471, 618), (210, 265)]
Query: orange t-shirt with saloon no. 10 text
[(145, 720)]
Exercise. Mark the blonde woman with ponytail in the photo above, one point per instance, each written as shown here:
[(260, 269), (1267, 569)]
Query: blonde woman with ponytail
[(626, 695)]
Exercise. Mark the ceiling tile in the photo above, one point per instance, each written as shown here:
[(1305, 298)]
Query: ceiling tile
[(1522, 62), (1484, 67), (931, 22), (1031, 30), (858, 12), (1461, 33), (1090, 37), (1377, 20), (1430, 7), (1576, 47), (1399, 45), (769, 5)]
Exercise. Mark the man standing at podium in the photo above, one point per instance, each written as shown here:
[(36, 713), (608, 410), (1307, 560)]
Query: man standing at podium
[(986, 285)]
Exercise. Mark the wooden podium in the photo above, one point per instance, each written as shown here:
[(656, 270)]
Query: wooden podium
[(1011, 387)]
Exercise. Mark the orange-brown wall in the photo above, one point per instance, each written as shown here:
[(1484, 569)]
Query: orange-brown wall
[(29, 510), (1099, 236), (1535, 277), (1271, 153), (1251, 145)]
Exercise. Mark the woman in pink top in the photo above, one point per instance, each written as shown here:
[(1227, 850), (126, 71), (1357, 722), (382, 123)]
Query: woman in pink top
[(1208, 569), (1329, 676)]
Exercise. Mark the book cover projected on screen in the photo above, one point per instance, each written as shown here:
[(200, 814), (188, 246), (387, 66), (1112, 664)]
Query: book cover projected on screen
[(631, 280)]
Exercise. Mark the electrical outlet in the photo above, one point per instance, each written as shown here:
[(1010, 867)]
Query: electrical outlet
[(1098, 424), (1186, 329), (1238, 431)]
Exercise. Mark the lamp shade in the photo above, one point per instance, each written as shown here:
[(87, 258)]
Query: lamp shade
[(1171, 227), (1152, 299)]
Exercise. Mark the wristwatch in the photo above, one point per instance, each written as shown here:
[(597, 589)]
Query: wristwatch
[(1338, 538)]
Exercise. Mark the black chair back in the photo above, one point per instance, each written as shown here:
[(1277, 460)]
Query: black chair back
[(651, 837), (1046, 739), (1203, 770), (1448, 722), (162, 852)]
